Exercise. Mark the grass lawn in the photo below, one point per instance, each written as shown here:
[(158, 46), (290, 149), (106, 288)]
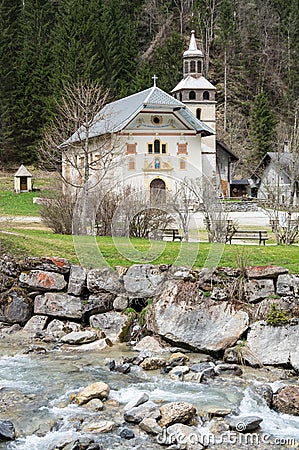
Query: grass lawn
[(44, 243), (12, 204)]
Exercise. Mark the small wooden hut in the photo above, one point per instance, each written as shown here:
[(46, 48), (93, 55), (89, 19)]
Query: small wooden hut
[(23, 180)]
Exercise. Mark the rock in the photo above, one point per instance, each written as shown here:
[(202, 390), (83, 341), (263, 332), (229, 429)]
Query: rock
[(113, 324), (153, 363), (146, 410), (96, 390), (214, 411), (112, 403), (5, 282), (265, 391), (265, 271), (258, 290), (95, 404), (36, 324), (7, 430), (104, 279), (183, 273), (56, 328), (50, 264), (127, 434), (286, 400), (139, 399), (244, 424), (178, 359), (58, 305), (185, 437), (287, 285), (96, 346), (181, 317), (150, 426), (99, 303), (15, 307), (79, 337), (176, 412), (13, 329), (9, 266), (143, 280), (103, 426), (46, 281), (120, 303), (178, 372), (151, 344), (228, 369), (219, 294), (275, 345), (230, 356), (200, 367), (77, 280)]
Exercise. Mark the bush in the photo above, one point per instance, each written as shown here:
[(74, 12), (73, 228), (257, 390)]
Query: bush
[(57, 211)]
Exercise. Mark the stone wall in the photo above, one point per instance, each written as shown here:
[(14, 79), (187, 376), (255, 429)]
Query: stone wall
[(207, 310)]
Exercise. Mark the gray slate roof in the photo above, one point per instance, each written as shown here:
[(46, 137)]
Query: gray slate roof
[(117, 115), (22, 172)]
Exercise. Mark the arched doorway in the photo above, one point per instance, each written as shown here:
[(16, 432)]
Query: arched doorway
[(157, 191)]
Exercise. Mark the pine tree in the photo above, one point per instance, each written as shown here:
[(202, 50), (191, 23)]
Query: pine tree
[(10, 11), (262, 126)]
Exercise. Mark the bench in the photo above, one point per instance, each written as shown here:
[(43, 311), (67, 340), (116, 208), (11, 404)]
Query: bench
[(249, 235), (172, 233)]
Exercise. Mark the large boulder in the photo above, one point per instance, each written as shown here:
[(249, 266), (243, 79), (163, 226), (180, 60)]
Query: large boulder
[(288, 285), (265, 271), (79, 337), (36, 324), (143, 280), (98, 303), (15, 307), (77, 280), (105, 279), (176, 412), (57, 328), (258, 290), (183, 317), (113, 324), (275, 345), (48, 263), (46, 281), (58, 305), (286, 400)]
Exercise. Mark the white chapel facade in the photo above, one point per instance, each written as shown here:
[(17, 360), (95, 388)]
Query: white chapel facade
[(165, 138)]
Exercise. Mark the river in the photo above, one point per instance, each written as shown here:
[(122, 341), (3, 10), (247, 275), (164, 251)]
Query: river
[(36, 389)]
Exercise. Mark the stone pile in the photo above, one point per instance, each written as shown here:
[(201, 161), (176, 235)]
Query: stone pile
[(208, 311)]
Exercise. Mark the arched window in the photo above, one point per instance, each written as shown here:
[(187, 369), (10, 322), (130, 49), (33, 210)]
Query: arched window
[(156, 146), (199, 67), (192, 95), (186, 67), (206, 95), (198, 113), (192, 67), (158, 190)]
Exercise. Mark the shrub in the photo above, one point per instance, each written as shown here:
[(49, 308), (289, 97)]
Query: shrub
[(57, 211)]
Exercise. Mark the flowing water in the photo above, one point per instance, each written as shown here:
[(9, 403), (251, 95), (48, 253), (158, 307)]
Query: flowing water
[(36, 389)]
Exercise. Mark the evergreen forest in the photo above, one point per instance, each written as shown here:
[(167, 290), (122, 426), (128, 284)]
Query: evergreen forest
[(251, 51)]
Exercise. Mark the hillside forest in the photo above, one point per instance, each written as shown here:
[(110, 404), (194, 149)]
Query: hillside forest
[(251, 51)]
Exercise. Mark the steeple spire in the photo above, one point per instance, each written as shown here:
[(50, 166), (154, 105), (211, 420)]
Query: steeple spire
[(193, 58)]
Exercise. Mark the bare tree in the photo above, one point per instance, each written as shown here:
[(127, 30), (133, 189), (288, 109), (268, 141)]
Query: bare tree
[(207, 22), (82, 154), (280, 186), (181, 201)]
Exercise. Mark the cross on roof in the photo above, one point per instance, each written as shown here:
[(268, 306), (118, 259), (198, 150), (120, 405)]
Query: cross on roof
[(155, 79)]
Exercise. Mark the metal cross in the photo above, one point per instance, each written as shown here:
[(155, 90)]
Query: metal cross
[(155, 79)]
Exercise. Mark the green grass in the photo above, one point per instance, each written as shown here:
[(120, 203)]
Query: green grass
[(12, 204), (44, 243)]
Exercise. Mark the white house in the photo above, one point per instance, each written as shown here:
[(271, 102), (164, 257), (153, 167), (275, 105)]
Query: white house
[(164, 137), (275, 175)]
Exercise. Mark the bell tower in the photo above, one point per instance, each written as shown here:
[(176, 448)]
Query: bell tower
[(194, 90)]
